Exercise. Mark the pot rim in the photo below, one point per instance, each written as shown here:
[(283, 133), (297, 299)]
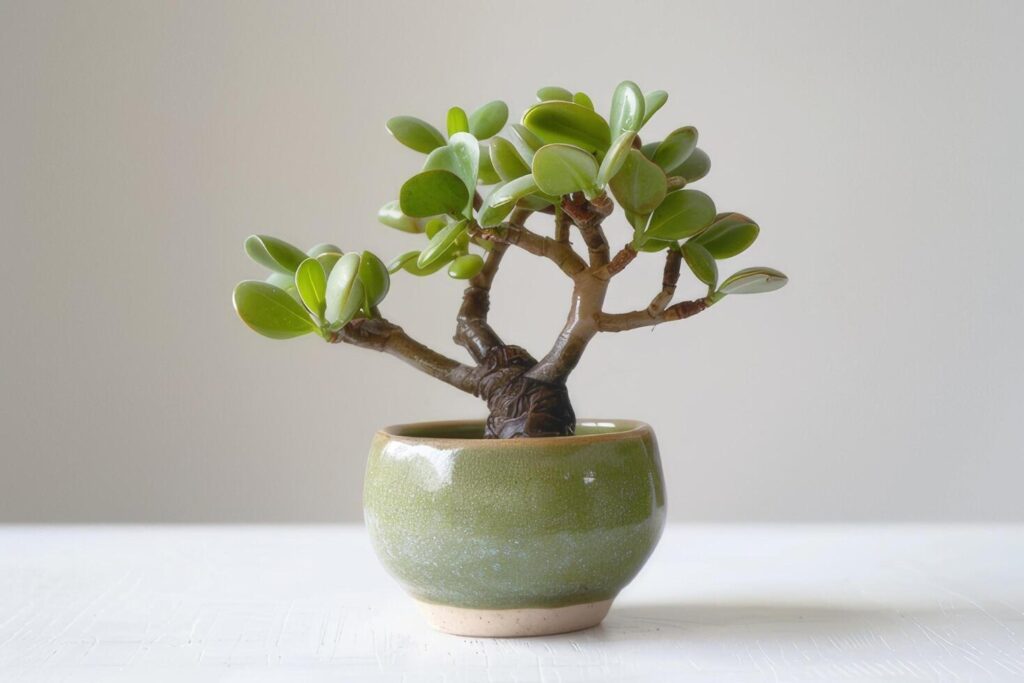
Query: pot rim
[(627, 429)]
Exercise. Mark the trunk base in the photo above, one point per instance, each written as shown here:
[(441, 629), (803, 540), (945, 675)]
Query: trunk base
[(522, 407)]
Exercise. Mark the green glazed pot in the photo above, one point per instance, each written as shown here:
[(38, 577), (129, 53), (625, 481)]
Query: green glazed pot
[(514, 537)]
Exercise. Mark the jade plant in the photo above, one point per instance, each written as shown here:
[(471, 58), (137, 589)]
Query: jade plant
[(469, 205)]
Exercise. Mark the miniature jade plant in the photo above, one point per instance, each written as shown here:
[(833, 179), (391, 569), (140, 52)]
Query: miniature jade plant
[(469, 205)]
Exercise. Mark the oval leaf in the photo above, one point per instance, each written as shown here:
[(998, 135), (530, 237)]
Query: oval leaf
[(373, 274), (694, 168), (627, 108), (323, 248), (728, 236), (487, 175), (270, 311), (432, 193), (439, 244), (399, 261), (681, 214), (488, 120), (311, 283), (570, 123), (344, 294), (457, 121), (466, 266), (328, 260), (466, 152), (563, 169), (582, 99), (553, 92), (513, 191), (615, 158), (391, 215), (640, 185), (275, 254), (506, 159), (531, 141), (676, 148), (415, 133), (753, 281), (701, 263), (653, 101)]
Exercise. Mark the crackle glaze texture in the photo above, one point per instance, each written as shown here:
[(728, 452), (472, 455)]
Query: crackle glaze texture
[(505, 524)]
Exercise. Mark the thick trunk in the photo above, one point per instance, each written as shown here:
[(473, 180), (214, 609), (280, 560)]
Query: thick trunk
[(522, 407)]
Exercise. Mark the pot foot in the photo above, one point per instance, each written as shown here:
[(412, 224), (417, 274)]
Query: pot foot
[(514, 623)]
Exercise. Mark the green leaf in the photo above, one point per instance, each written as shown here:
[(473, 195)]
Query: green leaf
[(391, 215), (466, 266), (311, 283), (399, 261), (460, 156), (653, 101), (676, 148), (344, 294), (701, 263), (374, 276), (328, 260), (323, 248), (413, 269), (753, 281), (513, 191), (432, 193), (570, 123), (563, 169), (275, 254), (532, 142), (457, 121), (640, 185), (694, 168), (615, 158), (648, 149), (488, 120), (487, 175), (434, 226), (627, 108), (415, 133), (653, 246), (553, 92), (439, 244), (506, 159), (728, 236), (271, 311), (582, 99), (681, 214)]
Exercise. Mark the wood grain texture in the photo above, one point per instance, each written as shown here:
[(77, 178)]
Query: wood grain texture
[(301, 604)]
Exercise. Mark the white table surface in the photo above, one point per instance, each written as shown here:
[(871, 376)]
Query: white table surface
[(721, 603)]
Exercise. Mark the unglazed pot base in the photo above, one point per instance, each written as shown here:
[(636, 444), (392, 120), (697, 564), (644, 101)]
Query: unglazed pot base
[(514, 623)]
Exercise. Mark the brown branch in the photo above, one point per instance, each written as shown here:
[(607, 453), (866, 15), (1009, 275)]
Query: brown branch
[(618, 263), (380, 335), (472, 330), (562, 222), (560, 254), (620, 322), (587, 217)]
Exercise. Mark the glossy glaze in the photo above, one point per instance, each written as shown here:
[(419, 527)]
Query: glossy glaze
[(513, 524)]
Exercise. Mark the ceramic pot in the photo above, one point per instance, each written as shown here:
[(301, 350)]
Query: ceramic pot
[(514, 537)]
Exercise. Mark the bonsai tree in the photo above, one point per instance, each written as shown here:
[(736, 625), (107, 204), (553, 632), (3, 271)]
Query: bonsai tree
[(469, 206)]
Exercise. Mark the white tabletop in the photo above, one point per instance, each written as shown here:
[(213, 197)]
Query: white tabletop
[(722, 603)]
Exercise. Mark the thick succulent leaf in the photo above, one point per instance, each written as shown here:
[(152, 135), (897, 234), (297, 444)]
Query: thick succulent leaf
[(311, 283), (701, 263), (440, 243), (375, 278), (753, 281), (506, 159), (682, 213), (328, 260), (396, 264), (615, 158), (582, 99), (487, 175), (466, 266), (570, 123), (649, 148), (694, 168), (728, 236), (513, 190), (457, 121), (270, 311), (531, 141), (432, 193), (391, 215), (676, 148), (275, 254), (653, 101), (460, 156), (323, 248), (434, 226), (488, 120), (654, 246), (563, 169), (344, 294), (640, 185), (415, 133), (553, 92), (627, 111)]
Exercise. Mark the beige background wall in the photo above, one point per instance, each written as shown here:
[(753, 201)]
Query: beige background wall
[(878, 144)]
